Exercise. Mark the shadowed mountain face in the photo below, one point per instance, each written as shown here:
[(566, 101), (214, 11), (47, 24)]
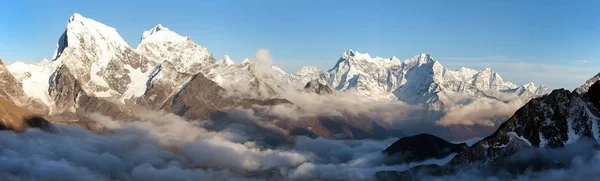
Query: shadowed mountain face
[(421, 147), (314, 86), (71, 102), (555, 121)]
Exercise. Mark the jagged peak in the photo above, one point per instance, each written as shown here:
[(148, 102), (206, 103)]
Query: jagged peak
[(313, 84), (246, 61), (160, 33), (347, 54), (75, 17), (529, 85), (226, 60), (80, 24), (423, 58), (82, 30)]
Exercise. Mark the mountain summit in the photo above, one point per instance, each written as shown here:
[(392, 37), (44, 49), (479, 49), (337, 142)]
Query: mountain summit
[(418, 80)]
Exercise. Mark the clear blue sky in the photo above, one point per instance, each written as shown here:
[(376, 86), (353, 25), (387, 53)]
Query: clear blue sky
[(556, 43)]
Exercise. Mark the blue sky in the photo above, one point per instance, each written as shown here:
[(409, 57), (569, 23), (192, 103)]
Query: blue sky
[(556, 43)]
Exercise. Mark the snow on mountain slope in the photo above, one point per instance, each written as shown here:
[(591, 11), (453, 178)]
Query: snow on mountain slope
[(107, 67), (225, 60), (418, 80), (34, 78), (552, 121), (9, 86), (530, 89), (584, 88), (162, 44), (99, 57), (249, 78)]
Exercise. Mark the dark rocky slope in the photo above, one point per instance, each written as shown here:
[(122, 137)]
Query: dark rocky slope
[(421, 147), (553, 121)]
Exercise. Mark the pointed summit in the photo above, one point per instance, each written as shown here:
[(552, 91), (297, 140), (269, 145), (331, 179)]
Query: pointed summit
[(160, 44), (423, 58), (347, 54), (87, 33), (160, 34), (529, 85), (75, 17), (82, 26), (226, 60)]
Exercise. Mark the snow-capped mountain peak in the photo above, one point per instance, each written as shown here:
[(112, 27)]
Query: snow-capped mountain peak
[(420, 59), (161, 44), (98, 57), (347, 54), (420, 79), (160, 34), (226, 61), (530, 85), (88, 31)]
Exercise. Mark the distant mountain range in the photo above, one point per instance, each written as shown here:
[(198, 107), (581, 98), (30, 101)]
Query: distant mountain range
[(94, 70)]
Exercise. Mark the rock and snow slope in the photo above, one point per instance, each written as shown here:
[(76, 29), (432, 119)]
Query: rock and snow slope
[(419, 80), (554, 120), (100, 64)]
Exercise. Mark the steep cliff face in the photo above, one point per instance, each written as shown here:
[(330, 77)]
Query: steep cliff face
[(552, 121), (71, 102), (197, 99), (100, 59), (557, 120), (11, 89), (314, 86)]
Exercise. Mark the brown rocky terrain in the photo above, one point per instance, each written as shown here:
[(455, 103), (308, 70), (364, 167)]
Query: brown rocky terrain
[(13, 117)]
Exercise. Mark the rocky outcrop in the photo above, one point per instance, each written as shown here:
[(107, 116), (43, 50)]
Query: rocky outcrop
[(99, 58), (13, 117), (71, 102), (200, 97), (314, 86), (12, 91), (11, 88), (553, 121), (163, 83), (542, 122), (421, 147)]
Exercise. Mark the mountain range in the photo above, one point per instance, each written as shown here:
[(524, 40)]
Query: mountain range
[(94, 70), (95, 76)]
